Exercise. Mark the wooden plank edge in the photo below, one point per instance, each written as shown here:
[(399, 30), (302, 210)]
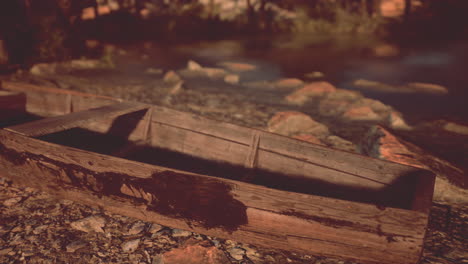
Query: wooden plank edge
[(60, 123)]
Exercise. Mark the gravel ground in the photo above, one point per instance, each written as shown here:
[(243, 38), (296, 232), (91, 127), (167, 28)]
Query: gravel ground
[(37, 228)]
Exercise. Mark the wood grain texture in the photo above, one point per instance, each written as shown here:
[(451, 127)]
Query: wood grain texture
[(263, 216), (64, 122)]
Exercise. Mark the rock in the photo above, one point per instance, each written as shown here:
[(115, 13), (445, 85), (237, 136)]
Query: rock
[(237, 253), (12, 201), (427, 88), (311, 90), (375, 86), (214, 73), (333, 107), (413, 87), (395, 120), (375, 105), (193, 66), (171, 77), (295, 123), (288, 83), (180, 233), (237, 66), (314, 75), (361, 113), (130, 246), (75, 245), (252, 254), (231, 78), (89, 224), (380, 143), (153, 71), (43, 69), (136, 228), (155, 228), (456, 128), (194, 252)]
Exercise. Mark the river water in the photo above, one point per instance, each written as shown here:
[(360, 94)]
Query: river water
[(343, 60)]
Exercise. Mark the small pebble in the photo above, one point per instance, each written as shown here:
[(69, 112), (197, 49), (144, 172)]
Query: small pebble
[(131, 245)]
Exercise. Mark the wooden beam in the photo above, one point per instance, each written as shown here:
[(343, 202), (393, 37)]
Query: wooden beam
[(216, 206), (64, 122)]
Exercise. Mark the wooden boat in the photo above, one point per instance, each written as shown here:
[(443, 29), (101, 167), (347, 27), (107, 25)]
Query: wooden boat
[(184, 171)]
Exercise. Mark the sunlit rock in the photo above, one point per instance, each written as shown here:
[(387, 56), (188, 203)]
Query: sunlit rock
[(311, 90), (231, 78), (456, 128), (395, 120), (293, 123), (380, 143), (361, 113), (412, 87), (193, 66), (237, 66), (43, 69), (336, 103), (376, 86), (426, 88)]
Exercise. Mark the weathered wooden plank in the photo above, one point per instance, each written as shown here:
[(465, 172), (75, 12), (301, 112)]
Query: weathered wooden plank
[(64, 122), (50, 101), (233, 144), (215, 206)]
